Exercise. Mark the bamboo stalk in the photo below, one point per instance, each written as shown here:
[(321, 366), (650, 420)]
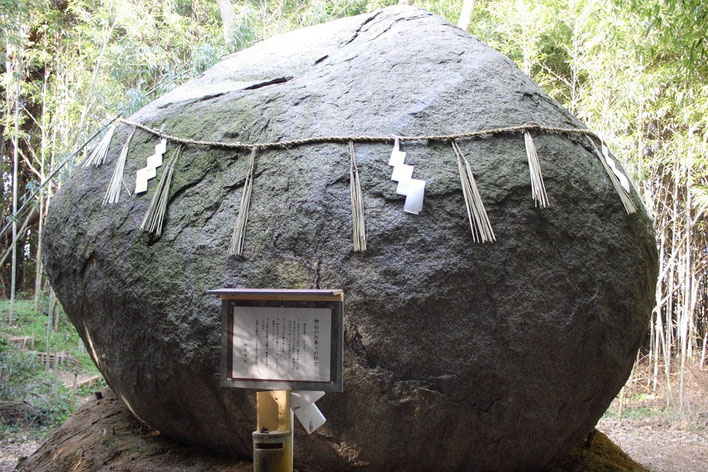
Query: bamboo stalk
[(40, 230), (15, 190), (46, 182), (49, 327), (17, 237)]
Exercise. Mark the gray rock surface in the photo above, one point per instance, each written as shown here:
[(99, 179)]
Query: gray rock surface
[(458, 356)]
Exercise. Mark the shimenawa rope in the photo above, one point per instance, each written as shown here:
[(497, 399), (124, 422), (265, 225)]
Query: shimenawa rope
[(362, 138), (479, 221)]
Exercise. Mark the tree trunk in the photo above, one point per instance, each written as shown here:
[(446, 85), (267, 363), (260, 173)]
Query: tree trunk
[(405, 2), (38, 262), (228, 18), (49, 327), (686, 312), (15, 169), (88, 100), (14, 242), (466, 15)]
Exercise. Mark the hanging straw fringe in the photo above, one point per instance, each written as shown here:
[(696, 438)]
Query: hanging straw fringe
[(237, 239), (479, 221), (152, 223), (358, 218), (626, 201), (98, 156), (538, 189), (114, 187)]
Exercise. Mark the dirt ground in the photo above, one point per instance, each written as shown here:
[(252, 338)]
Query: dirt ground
[(656, 443), (659, 445), (654, 436), (13, 447), (21, 442)]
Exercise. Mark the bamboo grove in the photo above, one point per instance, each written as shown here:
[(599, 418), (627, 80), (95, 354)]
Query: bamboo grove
[(634, 71)]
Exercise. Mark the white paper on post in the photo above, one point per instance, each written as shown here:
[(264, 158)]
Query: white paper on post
[(414, 196), (306, 396), (303, 405), (282, 343)]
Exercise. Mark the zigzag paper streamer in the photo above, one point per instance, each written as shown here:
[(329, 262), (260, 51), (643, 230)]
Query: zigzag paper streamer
[(413, 189), (150, 170), (613, 165)]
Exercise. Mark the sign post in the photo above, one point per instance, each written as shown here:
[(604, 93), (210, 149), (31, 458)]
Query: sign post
[(288, 344)]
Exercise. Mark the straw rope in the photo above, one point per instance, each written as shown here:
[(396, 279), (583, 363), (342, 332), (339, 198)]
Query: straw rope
[(155, 216), (361, 138), (538, 189), (482, 231), (116, 184), (358, 219), (239, 234)]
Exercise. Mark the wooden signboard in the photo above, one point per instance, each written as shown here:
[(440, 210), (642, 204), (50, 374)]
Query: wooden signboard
[(282, 339)]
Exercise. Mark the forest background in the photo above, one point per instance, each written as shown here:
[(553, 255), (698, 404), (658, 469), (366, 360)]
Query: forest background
[(635, 71)]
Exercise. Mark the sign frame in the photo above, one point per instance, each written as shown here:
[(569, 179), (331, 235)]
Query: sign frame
[(276, 298)]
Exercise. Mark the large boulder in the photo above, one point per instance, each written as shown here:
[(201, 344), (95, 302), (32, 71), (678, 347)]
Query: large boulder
[(458, 356)]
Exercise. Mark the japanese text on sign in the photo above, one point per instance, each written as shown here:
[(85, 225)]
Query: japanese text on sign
[(281, 343)]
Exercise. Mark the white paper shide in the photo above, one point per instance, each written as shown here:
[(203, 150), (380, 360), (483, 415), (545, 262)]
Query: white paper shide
[(282, 343), (413, 189), (303, 405)]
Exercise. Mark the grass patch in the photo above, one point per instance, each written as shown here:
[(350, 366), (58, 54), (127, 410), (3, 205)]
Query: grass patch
[(27, 322), (640, 412), (33, 399)]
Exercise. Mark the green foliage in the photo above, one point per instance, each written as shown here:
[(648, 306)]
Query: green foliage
[(29, 322), (23, 377), (674, 32), (23, 380)]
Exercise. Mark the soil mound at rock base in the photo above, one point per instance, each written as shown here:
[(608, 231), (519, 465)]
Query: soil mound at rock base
[(102, 435)]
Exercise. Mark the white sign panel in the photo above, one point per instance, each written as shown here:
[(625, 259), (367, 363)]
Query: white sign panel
[(281, 343)]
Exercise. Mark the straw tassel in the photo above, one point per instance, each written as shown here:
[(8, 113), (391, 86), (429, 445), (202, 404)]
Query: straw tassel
[(358, 218), (237, 239), (155, 216), (116, 184), (482, 231), (626, 201), (538, 189), (98, 156)]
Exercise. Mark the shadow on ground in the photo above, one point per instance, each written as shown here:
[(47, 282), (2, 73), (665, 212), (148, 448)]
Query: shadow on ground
[(103, 435)]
